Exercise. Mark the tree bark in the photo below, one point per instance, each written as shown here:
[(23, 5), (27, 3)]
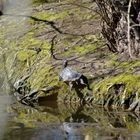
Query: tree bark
[(121, 25)]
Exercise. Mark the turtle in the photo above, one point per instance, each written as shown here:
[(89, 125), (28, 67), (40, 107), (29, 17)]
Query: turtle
[(73, 78)]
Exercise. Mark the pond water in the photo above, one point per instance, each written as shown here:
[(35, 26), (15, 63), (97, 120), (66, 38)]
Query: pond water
[(4, 101), (63, 122)]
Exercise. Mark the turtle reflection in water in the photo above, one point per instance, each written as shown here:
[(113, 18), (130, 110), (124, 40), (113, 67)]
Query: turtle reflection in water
[(74, 79)]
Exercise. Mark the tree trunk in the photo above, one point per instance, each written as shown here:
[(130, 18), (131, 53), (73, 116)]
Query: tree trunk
[(120, 25)]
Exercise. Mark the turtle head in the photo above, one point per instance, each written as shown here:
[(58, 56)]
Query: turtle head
[(65, 63)]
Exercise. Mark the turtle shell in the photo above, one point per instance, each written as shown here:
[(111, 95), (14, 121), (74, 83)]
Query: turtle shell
[(67, 74)]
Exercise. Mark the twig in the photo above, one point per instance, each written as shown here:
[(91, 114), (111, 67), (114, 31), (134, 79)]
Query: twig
[(51, 49), (128, 29), (51, 23)]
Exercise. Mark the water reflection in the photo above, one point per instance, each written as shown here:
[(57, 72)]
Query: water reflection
[(60, 122), (4, 101)]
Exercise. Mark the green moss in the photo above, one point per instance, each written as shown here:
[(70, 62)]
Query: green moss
[(129, 65), (112, 60), (45, 15), (28, 40), (22, 55), (85, 48), (130, 81), (39, 1), (81, 49), (43, 76)]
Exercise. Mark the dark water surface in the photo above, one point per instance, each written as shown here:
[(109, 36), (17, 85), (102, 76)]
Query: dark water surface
[(70, 122)]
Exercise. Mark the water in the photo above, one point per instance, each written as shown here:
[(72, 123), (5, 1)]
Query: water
[(4, 101), (62, 122)]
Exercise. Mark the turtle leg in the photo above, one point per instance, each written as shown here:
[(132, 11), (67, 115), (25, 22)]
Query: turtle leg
[(71, 85)]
